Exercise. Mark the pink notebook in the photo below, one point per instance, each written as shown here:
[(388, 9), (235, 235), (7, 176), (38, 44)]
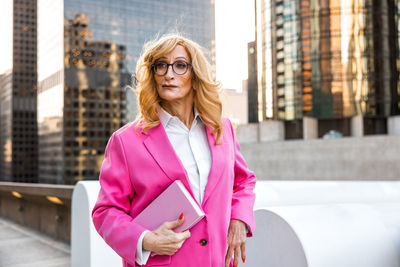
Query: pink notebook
[(168, 206)]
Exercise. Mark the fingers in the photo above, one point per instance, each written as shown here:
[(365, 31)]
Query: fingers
[(228, 256), (235, 251), (168, 244), (176, 223), (180, 237), (185, 235), (236, 256), (243, 251), (173, 247)]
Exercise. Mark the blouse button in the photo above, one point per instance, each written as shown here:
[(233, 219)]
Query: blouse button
[(203, 242)]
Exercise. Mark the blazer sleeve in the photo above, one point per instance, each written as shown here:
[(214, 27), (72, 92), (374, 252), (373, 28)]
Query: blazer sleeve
[(243, 197), (111, 212)]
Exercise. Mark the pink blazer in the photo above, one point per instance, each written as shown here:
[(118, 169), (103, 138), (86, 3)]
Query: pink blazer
[(138, 167)]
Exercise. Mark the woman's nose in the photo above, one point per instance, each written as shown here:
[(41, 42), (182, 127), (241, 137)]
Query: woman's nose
[(170, 72)]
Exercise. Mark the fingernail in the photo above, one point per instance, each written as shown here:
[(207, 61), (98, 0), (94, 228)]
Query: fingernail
[(244, 259), (181, 216)]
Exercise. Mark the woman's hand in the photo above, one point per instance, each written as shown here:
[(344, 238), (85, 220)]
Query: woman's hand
[(163, 240), (236, 242)]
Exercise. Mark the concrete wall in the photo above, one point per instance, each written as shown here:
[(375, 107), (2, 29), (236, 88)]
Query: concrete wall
[(394, 125), (349, 158), (248, 133), (310, 128), (271, 130), (357, 126), (265, 131), (30, 205)]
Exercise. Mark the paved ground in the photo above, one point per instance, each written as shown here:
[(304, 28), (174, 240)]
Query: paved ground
[(22, 247)]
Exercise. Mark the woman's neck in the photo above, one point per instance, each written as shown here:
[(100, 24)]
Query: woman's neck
[(183, 111)]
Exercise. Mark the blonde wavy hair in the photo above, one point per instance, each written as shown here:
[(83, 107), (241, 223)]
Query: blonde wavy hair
[(206, 97)]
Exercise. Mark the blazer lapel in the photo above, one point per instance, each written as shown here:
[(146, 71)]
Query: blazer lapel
[(217, 165), (159, 146)]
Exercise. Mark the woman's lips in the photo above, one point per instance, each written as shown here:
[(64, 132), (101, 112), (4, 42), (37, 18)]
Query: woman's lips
[(169, 86)]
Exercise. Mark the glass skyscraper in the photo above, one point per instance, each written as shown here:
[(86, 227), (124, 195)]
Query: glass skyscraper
[(328, 59)]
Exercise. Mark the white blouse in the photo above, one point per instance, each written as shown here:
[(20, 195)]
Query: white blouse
[(192, 148)]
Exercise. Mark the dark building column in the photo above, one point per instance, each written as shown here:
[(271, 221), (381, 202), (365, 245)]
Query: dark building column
[(252, 88), (24, 84)]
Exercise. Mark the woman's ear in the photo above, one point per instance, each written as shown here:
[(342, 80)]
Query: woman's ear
[(194, 83)]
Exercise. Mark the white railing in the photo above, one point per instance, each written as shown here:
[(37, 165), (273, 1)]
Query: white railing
[(88, 249)]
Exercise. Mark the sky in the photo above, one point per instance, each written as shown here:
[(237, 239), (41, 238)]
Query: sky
[(6, 33), (234, 29)]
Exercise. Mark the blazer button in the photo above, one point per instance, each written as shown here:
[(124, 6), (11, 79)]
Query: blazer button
[(203, 242)]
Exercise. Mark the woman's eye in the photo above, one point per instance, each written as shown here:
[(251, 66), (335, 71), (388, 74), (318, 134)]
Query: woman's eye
[(180, 65), (161, 65)]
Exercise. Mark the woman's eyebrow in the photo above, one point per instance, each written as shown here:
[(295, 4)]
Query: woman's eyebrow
[(175, 58), (181, 57)]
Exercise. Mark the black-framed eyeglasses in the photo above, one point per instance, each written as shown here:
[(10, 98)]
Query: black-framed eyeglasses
[(179, 67)]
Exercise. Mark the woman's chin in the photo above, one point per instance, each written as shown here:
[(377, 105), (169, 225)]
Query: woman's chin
[(170, 96)]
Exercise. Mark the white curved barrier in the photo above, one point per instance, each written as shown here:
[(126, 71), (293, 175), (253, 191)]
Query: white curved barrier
[(326, 223), (88, 249), (345, 235)]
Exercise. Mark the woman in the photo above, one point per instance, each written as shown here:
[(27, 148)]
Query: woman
[(180, 135)]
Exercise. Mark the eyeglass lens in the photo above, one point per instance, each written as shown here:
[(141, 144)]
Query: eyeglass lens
[(179, 67)]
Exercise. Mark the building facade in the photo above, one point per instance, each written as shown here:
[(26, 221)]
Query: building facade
[(87, 52), (330, 60), (18, 89)]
